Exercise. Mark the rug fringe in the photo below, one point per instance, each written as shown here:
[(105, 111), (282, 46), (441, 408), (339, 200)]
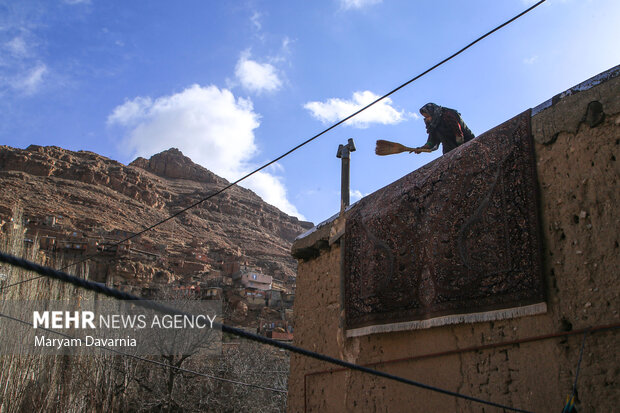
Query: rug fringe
[(495, 315)]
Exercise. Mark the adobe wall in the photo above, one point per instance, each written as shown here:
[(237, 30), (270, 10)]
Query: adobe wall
[(578, 175)]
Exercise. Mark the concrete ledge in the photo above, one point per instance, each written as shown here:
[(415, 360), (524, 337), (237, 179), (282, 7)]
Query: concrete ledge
[(310, 243), (562, 114)]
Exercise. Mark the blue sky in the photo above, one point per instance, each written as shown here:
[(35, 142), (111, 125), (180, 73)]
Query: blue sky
[(236, 84)]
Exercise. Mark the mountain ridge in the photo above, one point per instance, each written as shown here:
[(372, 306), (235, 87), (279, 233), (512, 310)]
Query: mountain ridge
[(97, 195)]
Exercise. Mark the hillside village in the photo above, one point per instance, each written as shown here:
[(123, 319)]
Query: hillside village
[(80, 204), (251, 299)]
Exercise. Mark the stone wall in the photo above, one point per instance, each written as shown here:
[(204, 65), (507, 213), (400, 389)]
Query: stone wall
[(577, 144)]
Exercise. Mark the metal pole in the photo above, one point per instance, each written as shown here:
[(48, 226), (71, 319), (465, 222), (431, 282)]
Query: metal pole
[(344, 185), (344, 153)]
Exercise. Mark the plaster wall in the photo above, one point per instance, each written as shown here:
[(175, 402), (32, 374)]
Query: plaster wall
[(578, 176)]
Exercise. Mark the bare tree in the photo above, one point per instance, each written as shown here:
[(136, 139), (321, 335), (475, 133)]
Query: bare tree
[(111, 382)]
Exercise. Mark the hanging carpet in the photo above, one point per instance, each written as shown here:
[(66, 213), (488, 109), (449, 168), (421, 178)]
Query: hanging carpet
[(455, 241)]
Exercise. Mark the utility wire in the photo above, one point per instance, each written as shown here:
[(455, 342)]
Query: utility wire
[(159, 363), (583, 345), (571, 399), (195, 204), (114, 293)]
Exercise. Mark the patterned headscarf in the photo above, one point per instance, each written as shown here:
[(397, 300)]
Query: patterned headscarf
[(435, 111)]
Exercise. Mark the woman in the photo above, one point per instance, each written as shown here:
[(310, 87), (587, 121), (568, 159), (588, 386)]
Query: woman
[(444, 126)]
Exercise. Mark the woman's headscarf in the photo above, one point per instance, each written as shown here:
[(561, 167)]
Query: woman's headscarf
[(435, 111)]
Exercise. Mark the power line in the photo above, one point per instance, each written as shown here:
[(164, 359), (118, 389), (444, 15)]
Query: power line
[(195, 204), (159, 363), (568, 408), (114, 293)]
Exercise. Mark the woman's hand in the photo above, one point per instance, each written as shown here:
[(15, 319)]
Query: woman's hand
[(421, 149)]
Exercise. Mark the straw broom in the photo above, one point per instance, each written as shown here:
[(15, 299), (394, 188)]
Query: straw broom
[(389, 148)]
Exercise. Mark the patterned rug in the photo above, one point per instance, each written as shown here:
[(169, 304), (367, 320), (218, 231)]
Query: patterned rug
[(454, 241)]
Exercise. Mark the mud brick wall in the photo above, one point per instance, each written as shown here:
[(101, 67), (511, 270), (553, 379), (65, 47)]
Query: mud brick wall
[(577, 136)]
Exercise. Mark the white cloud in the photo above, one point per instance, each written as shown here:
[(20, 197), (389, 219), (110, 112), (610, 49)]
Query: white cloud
[(256, 20), (18, 47), (530, 60), (358, 4), (284, 54), (22, 69), (31, 81), (209, 125), (355, 195), (257, 77), (23, 66), (286, 45), (272, 190), (336, 109), (131, 112)]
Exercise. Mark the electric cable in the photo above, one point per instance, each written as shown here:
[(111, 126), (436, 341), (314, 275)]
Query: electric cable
[(159, 363), (570, 400), (217, 192)]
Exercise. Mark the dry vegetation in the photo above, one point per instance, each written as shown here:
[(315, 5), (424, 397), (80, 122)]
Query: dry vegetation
[(110, 382)]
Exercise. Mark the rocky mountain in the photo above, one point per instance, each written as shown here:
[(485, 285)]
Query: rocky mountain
[(97, 200)]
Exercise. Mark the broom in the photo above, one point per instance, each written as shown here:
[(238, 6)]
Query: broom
[(389, 148)]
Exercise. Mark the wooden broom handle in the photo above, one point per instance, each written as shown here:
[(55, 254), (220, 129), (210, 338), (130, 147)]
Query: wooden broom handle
[(421, 149)]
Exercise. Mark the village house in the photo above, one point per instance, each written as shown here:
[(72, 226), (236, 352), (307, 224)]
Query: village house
[(186, 268), (202, 257), (231, 267), (276, 329), (191, 290), (278, 285), (149, 255), (213, 293), (274, 298), (254, 298), (120, 234), (288, 299), (47, 242), (50, 220), (74, 244), (253, 279)]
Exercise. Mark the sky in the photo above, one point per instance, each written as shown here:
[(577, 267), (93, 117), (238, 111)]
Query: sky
[(235, 84)]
